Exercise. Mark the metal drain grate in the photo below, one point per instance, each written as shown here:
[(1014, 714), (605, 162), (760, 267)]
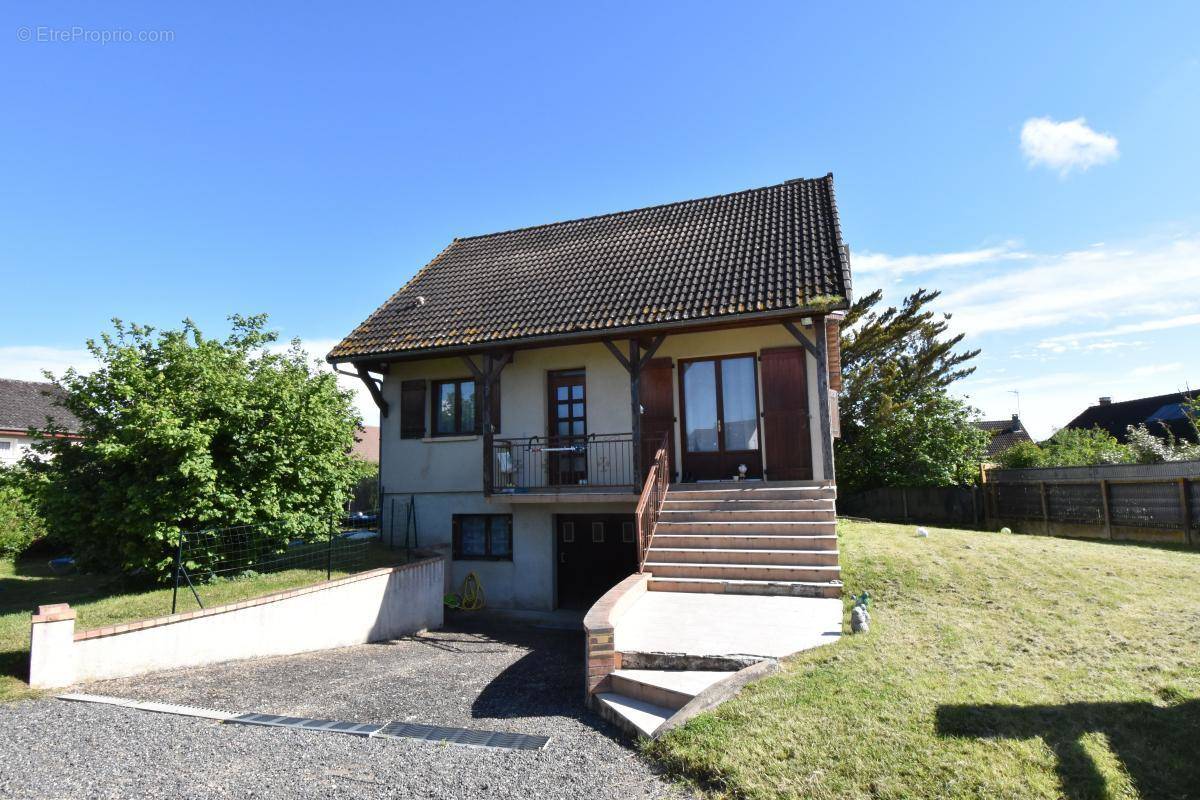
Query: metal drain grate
[(463, 736), (303, 723)]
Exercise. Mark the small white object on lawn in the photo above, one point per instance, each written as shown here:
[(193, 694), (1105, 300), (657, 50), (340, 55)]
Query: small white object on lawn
[(1006, 530), (922, 533)]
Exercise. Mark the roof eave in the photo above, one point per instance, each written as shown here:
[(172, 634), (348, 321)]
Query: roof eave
[(528, 342)]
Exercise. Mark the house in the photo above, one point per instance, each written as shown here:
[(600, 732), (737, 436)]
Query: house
[(366, 444), (1160, 414), (530, 380), (25, 406), (1005, 433)]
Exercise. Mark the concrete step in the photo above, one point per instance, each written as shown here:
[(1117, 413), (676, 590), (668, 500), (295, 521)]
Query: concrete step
[(674, 503), (724, 514), (717, 586), (702, 491), (631, 715), (799, 528), (749, 572), (667, 688), (746, 541), (662, 553)]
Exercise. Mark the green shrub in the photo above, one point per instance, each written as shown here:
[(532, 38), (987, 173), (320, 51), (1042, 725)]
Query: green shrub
[(20, 521)]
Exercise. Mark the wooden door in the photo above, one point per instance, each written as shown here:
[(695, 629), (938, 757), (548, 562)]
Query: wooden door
[(595, 552), (786, 424), (720, 423), (657, 393), (566, 445)]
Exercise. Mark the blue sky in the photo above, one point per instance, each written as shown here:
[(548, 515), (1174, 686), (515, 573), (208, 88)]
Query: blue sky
[(305, 160)]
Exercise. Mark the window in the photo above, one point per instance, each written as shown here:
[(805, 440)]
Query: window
[(5, 444), (454, 412), (627, 532), (598, 532), (483, 537)]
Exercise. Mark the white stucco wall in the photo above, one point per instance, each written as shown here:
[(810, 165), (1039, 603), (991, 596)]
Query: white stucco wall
[(446, 474), (372, 606), (13, 448)]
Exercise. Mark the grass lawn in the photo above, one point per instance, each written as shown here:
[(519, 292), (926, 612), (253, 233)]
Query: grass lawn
[(24, 585), (998, 666)]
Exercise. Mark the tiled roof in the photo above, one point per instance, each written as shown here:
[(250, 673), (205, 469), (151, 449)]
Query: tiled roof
[(1005, 433), (26, 404), (1117, 417), (756, 251)]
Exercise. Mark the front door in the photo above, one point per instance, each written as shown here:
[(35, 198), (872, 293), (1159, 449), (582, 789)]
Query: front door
[(566, 448), (657, 394), (719, 398), (595, 552)]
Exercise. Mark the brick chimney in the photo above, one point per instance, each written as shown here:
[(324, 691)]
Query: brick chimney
[(1106, 401)]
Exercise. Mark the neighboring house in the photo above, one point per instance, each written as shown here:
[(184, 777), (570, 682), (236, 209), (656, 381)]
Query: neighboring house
[(529, 377), (1005, 433), (25, 406), (1159, 414), (366, 444)]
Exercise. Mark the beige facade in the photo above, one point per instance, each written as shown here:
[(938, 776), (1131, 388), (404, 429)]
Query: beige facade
[(445, 474)]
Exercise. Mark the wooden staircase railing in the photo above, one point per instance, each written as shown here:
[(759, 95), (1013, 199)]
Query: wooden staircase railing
[(649, 506)]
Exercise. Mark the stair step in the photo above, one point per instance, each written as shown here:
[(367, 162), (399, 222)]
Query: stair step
[(751, 493), (667, 688), (723, 514), (739, 504), (635, 716), (746, 541), (720, 586), (661, 551), (797, 527), (754, 572)]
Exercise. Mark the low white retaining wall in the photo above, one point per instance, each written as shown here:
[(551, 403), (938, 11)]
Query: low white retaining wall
[(367, 607)]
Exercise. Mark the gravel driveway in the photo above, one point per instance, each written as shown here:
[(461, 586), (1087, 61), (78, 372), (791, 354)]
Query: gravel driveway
[(523, 680)]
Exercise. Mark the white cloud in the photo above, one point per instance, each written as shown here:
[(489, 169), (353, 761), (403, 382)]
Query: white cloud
[(868, 262), (26, 362), (1065, 146), (1085, 287), (1157, 369), (1068, 341)]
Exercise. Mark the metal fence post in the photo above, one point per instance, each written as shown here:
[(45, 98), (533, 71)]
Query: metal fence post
[(329, 553), (178, 563)]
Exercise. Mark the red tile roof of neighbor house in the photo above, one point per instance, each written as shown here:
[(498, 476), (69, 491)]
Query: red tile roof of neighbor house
[(26, 404), (774, 250), (366, 443)]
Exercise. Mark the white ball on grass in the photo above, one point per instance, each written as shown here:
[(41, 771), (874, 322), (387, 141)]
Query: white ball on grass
[(922, 533)]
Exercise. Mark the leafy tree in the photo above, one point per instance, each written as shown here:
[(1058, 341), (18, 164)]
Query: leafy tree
[(1068, 447), (930, 440), (20, 520), (899, 428), (180, 431), (1022, 455), (1146, 448)]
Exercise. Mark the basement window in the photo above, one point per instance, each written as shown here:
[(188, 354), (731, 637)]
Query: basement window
[(483, 537)]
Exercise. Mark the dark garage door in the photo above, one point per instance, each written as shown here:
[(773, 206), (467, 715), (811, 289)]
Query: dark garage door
[(594, 552)]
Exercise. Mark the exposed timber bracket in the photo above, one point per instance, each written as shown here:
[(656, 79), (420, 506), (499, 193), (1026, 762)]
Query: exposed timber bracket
[(373, 386), (801, 338), (635, 363)]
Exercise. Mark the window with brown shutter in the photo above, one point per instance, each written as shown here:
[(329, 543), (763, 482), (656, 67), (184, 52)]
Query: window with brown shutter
[(412, 410)]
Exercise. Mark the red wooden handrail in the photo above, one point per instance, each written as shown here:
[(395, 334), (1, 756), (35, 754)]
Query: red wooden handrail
[(649, 506)]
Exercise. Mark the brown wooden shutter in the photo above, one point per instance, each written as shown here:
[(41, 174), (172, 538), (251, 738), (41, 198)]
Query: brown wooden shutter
[(412, 410), (786, 429), (833, 345), (657, 395)]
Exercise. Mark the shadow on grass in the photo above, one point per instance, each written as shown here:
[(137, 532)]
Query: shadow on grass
[(1156, 745)]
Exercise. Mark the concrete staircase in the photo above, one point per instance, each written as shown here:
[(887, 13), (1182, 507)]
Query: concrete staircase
[(747, 539), (641, 700)]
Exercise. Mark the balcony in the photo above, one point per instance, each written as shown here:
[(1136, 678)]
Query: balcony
[(596, 464)]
